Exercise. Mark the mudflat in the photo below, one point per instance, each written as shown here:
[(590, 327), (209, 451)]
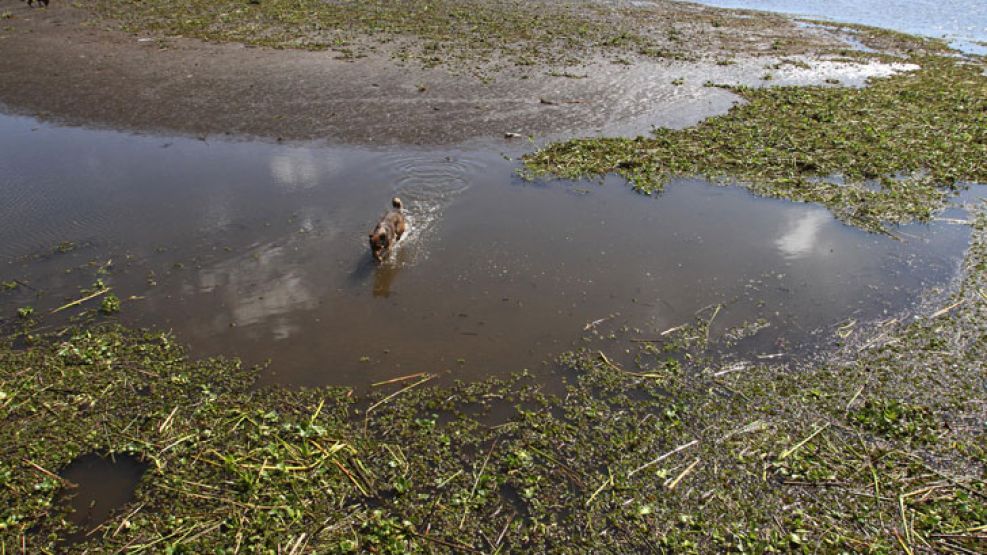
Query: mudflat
[(95, 67)]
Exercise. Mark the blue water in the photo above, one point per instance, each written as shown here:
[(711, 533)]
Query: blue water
[(962, 22)]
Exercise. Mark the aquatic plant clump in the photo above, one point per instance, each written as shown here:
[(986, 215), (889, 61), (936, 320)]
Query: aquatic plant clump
[(891, 152), (880, 447)]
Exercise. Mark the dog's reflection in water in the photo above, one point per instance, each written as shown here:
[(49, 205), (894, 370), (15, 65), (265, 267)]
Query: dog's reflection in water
[(386, 272)]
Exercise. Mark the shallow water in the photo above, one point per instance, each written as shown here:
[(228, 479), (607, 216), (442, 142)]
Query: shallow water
[(103, 485), (259, 250), (963, 22)]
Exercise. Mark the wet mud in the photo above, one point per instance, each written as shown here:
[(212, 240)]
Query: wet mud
[(59, 66)]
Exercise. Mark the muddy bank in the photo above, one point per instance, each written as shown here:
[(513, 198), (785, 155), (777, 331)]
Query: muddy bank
[(63, 65)]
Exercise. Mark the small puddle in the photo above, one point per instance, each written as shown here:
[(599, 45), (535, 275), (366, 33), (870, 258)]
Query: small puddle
[(259, 250), (104, 485)]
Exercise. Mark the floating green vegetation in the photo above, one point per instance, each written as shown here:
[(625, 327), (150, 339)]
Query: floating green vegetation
[(888, 153), (476, 32), (896, 419), (110, 304), (65, 247), (880, 448)]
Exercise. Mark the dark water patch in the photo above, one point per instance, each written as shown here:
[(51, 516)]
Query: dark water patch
[(100, 487), (509, 494), (259, 251)]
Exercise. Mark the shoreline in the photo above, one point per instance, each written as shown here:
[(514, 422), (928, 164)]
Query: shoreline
[(57, 64)]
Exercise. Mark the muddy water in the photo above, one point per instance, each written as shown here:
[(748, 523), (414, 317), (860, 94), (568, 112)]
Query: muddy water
[(101, 486), (259, 250)]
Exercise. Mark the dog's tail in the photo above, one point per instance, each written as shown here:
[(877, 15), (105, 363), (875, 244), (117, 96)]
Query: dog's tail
[(396, 203)]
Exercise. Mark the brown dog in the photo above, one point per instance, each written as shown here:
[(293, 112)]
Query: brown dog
[(388, 231)]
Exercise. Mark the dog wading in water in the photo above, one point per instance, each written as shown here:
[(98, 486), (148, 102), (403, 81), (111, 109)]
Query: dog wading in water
[(388, 231)]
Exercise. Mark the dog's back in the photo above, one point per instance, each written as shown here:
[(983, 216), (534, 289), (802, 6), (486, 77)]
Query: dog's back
[(396, 218), (388, 230)]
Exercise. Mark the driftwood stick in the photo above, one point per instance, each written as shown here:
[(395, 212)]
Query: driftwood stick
[(82, 300)]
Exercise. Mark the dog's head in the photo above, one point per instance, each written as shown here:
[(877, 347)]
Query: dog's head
[(379, 243)]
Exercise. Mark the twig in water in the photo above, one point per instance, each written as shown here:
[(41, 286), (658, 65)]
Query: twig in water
[(606, 360), (944, 476), (688, 469), (398, 392), (982, 528), (476, 482), (443, 483), (123, 521), (709, 324), (595, 323), (854, 398), (352, 478), (503, 532), (845, 330), (960, 536), (82, 300), (167, 421), (662, 457), (611, 364), (396, 380), (672, 329), (904, 546), (754, 426), (46, 472), (608, 482), (955, 221), (904, 518), (799, 445), (22, 284), (735, 367), (939, 313), (318, 411), (296, 548)]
